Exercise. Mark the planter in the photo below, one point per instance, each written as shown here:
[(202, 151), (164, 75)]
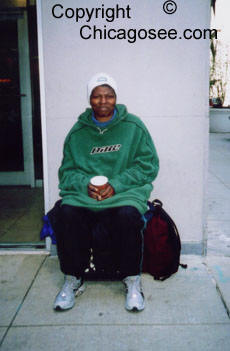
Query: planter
[(219, 120)]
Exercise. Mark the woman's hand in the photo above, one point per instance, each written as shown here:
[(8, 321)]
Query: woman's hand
[(100, 195), (107, 192)]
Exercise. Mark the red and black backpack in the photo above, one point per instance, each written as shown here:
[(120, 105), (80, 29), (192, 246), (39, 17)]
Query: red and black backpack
[(162, 245)]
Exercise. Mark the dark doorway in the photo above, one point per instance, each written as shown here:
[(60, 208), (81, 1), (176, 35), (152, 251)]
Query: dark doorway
[(21, 201)]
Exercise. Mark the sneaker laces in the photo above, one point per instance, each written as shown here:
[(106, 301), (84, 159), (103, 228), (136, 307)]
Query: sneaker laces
[(71, 283), (133, 284)]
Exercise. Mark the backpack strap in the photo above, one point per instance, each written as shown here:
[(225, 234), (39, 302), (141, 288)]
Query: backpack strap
[(157, 202)]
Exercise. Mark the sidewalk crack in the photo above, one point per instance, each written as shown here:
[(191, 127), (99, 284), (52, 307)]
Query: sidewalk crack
[(219, 292), (23, 299)]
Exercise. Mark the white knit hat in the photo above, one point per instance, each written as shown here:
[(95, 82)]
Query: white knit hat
[(100, 79)]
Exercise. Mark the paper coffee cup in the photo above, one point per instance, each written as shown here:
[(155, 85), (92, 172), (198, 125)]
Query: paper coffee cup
[(99, 182)]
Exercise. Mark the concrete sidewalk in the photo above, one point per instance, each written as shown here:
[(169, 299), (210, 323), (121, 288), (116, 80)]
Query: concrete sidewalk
[(189, 311), (218, 196)]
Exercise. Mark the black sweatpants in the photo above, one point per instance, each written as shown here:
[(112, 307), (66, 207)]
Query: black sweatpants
[(119, 228)]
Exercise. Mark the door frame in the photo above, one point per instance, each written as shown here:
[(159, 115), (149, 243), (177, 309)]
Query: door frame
[(43, 114), (26, 177)]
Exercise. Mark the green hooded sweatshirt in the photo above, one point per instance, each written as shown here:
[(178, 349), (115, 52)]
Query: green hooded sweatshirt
[(123, 151)]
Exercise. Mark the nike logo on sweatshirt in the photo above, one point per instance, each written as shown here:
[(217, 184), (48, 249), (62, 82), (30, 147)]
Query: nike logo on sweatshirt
[(102, 149)]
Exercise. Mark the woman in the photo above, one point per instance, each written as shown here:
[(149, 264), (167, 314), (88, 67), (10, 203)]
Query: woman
[(108, 141)]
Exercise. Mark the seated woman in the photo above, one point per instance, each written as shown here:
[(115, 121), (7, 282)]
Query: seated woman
[(106, 140)]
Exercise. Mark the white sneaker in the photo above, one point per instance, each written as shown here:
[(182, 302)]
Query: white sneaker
[(66, 297), (134, 295)]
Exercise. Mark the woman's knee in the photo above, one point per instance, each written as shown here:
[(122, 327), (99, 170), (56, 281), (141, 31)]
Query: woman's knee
[(130, 216), (69, 213)]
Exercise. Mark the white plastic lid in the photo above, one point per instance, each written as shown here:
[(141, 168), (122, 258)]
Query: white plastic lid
[(99, 180)]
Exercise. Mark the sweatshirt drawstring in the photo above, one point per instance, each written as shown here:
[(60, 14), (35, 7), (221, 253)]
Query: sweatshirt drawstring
[(102, 131)]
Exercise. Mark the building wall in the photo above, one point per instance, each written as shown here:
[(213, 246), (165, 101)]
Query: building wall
[(165, 82)]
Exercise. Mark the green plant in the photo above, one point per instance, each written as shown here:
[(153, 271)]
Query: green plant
[(218, 71), (219, 64)]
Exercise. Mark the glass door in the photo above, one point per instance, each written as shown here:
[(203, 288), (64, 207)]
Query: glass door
[(21, 204), (16, 140)]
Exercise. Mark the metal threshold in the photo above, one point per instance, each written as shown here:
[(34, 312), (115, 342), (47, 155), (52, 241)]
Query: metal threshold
[(23, 245)]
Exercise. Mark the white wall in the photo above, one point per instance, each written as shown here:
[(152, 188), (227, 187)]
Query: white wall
[(165, 82)]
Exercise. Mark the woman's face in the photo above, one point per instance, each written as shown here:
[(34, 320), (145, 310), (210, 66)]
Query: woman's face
[(103, 101)]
